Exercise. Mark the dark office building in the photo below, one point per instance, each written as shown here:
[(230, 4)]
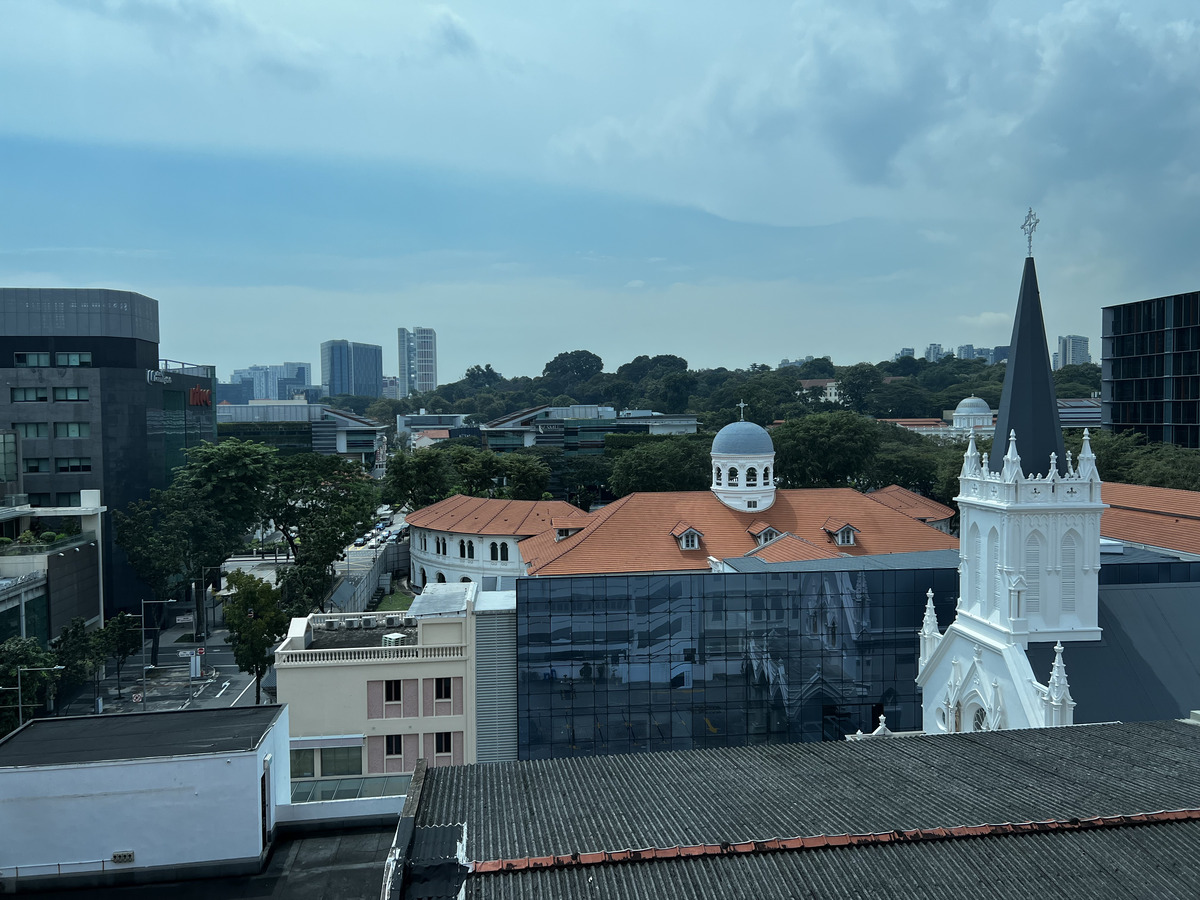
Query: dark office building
[(94, 407), (350, 368), (624, 664), (1151, 369)]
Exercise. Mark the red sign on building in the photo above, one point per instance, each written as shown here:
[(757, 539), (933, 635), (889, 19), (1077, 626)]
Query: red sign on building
[(199, 397)]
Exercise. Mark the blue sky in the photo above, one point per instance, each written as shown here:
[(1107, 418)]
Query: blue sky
[(732, 185)]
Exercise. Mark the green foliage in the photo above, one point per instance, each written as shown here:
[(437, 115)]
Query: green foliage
[(5, 541), (27, 537), (25, 653), (527, 477), (120, 638), (79, 651), (824, 449), (857, 384), (670, 464), (256, 621), (1127, 457), (230, 476), (1077, 381)]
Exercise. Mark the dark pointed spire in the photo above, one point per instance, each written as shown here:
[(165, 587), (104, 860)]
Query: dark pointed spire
[(1028, 404)]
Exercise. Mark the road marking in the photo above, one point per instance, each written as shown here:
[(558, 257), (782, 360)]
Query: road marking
[(222, 690), (185, 705), (242, 694)]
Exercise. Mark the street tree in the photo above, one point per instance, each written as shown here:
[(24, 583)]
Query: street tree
[(232, 477), (527, 476), (120, 638), (25, 653), (77, 650), (256, 621)]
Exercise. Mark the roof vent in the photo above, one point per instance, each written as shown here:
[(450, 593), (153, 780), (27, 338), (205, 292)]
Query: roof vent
[(396, 639)]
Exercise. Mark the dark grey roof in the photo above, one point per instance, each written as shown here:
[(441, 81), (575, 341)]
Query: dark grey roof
[(548, 807), (920, 559), (1146, 861), (742, 438), (1027, 403), (86, 739)]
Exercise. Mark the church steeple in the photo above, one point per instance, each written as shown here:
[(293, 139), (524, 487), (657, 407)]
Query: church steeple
[(1028, 404)]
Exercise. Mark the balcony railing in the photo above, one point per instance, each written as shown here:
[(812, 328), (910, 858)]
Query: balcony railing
[(75, 540), (368, 655)]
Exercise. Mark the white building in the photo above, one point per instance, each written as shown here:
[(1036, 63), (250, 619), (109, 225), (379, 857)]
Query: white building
[(418, 360), (1030, 558), (95, 800), (474, 539), (370, 695)]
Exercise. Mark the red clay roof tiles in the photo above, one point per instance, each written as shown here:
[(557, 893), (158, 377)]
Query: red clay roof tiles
[(911, 504), (477, 515)]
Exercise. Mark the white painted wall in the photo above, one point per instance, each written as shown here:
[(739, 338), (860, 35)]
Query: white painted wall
[(170, 811)]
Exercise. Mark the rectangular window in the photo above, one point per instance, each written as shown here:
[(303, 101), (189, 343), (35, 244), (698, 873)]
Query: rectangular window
[(395, 745), (393, 691), (70, 498), (29, 395), (32, 429), (72, 429), (304, 763), (72, 359), (73, 464), (30, 360), (39, 499), (443, 742), (341, 761), (441, 689), (71, 393), (36, 464)]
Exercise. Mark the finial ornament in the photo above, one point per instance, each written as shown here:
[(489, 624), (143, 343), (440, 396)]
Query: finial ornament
[(741, 404), (1029, 227)]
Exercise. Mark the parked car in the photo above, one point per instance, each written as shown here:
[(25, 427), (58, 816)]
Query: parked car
[(358, 542)]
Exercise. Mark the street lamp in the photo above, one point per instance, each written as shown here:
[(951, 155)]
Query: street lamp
[(20, 669), (144, 602)]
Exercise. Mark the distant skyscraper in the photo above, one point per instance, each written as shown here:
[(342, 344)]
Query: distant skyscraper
[(351, 368), (965, 351), (905, 351), (1072, 351), (934, 352), (418, 360)]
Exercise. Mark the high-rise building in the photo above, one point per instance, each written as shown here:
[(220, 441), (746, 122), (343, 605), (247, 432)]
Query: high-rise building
[(934, 352), (1072, 351), (95, 408), (1150, 368), (418, 360), (904, 351), (351, 368)]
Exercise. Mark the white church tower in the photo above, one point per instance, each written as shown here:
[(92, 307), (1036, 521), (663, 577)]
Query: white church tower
[(1029, 556)]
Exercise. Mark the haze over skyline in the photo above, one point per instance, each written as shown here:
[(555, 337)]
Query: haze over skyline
[(731, 185)]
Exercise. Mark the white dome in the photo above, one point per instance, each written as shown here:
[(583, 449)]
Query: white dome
[(973, 406), (742, 439)]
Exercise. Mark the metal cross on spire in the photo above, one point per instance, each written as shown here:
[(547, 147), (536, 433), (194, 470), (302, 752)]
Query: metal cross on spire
[(1029, 227), (741, 410)]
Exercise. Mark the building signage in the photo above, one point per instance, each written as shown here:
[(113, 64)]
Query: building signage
[(199, 397), (156, 376)]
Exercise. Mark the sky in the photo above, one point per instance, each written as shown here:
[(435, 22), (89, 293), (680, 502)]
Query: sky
[(730, 183)]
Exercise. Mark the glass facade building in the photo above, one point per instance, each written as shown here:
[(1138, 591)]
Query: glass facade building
[(1151, 369), (351, 368), (632, 663)]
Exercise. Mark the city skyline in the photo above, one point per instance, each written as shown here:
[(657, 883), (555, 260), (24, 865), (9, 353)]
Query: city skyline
[(860, 176)]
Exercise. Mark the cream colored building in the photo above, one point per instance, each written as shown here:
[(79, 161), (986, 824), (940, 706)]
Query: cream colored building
[(372, 694)]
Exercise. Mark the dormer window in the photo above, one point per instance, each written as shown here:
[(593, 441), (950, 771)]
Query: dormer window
[(842, 532), (690, 541), (767, 536), (845, 537), (687, 536)]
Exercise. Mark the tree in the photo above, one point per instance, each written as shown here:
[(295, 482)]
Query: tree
[(432, 478), (669, 464), (857, 384), (231, 477), (527, 476), (824, 449), (256, 622), (25, 653), (78, 651), (121, 637), (568, 369)]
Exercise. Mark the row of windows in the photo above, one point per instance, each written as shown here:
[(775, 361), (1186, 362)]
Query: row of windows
[(61, 429), (63, 498), (731, 476), (42, 360), (41, 394), (466, 548), (338, 761), (443, 742), (61, 464), (394, 689)]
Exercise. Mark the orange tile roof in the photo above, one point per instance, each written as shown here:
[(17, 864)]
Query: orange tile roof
[(634, 533), (911, 504), (789, 548), (435, 434), (477, 515), (1155, 517), (683, 528)]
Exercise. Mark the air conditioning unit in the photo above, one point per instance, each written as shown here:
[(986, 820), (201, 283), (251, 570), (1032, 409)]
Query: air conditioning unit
[(393, 640), (331, 624), (393, 621), (410, 622), (369, 621), (354, 623)]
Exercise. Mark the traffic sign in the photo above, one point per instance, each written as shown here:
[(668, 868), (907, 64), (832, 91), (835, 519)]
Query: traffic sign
[(137, 698), (199, 651), (187, 653), (184, 619)]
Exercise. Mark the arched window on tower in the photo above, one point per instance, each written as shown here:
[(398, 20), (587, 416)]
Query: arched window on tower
[(1068, 574), (766, 476), (752, 477), (462, 549), (441, 578), (976, 561), (495, 551), (503, 551), (993, 566), (716, 475), (732, 477), (1033, 575), (470, 549)]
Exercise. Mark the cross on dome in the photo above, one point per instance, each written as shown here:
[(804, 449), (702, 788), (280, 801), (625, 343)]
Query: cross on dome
[(741, 404)]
